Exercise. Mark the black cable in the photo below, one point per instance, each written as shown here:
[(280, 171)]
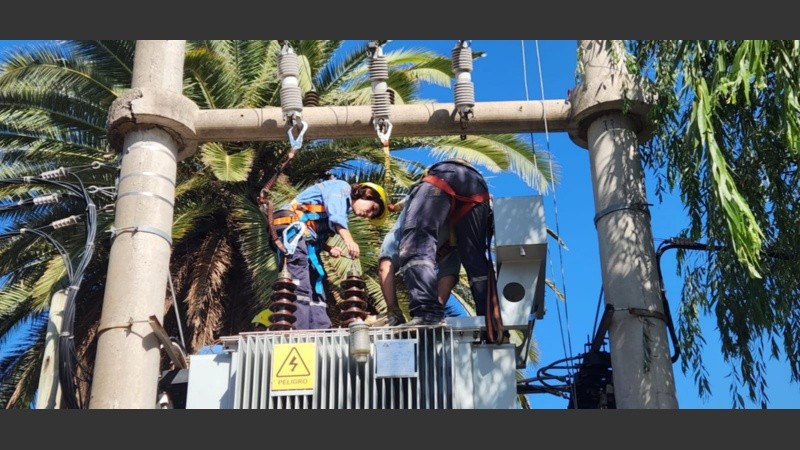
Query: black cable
[(663, 247), (597, 312), (524, 386)]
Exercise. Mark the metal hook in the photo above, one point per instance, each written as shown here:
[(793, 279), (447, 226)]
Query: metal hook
[(298, 142), (384, 124)]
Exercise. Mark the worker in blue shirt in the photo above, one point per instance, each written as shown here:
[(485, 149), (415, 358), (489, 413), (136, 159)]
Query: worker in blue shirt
[(319, 212)]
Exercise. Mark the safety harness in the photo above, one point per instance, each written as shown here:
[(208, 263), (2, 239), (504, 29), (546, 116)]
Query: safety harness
[(468, 202), (300, 221), (494, 321)]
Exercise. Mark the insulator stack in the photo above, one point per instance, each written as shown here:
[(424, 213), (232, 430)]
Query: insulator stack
[(311, 98), (391, 96), (282, 303), (289, 70), (378, 75), (354, 304), (464, 91)]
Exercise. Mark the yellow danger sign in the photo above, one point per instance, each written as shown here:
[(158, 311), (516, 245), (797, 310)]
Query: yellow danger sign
[(293, 368)]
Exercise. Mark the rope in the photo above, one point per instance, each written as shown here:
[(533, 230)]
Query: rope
[(494, 319), (265, 203), (567, 348)]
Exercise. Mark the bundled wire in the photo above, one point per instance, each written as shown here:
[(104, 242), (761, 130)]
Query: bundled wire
[(67, 358)]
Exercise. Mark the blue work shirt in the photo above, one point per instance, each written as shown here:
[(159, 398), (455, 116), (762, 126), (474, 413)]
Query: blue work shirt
[(334, 195)]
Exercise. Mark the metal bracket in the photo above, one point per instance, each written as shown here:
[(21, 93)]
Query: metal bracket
[(177, 357), (647, 313)]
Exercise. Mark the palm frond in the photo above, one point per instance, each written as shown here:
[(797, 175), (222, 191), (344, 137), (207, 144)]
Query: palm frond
[(205, 283), (226, 166)]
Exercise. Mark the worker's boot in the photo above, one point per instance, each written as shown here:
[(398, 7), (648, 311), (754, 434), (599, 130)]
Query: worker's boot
[(426, 321), (394, 318)]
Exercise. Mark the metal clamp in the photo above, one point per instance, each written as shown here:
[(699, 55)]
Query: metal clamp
[(634, 206), (647, 313), (142, 229), (384, 129)]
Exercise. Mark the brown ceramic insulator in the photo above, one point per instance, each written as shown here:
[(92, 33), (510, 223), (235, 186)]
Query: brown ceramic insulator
[(282, 303), (350, 314), (353, 306), (311, 98), (391, 96)]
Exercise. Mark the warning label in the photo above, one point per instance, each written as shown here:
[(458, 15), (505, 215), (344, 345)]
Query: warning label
[(293, 368)]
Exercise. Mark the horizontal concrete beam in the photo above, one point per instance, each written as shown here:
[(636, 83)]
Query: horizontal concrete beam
[(421, 119)]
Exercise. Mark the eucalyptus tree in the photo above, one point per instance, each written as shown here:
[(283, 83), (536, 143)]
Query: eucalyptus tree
[(54, 101), (727, 137)]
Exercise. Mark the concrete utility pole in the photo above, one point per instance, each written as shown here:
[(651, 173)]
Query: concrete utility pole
[(49, 395), (156, 127), (128, 353), (609, 113)]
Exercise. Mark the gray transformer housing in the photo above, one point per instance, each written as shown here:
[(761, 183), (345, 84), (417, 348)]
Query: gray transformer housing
[(448, 367), (434, 368)]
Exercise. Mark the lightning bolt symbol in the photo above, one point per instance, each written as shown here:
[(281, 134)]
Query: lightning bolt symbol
[(293, 363)]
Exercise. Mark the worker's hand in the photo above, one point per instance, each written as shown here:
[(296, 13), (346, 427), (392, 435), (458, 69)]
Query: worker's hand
[(335, 252), (352, 249)]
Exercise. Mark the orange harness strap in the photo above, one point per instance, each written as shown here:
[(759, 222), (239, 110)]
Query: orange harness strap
[(297, 212)]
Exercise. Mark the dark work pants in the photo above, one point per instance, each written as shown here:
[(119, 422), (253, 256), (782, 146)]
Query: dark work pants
[(312, 309), (428, 209)]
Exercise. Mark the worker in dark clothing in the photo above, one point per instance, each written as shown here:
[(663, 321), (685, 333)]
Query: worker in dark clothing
[(452, 192), (448, 266)]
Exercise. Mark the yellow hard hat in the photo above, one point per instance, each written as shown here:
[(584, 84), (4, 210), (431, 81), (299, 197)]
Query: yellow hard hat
[(380, 218), (263, 318)]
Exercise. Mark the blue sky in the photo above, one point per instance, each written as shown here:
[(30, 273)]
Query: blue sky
[(508, 73)]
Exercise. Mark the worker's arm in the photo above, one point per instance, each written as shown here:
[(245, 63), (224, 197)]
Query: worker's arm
[(352, 247), (334, 251)]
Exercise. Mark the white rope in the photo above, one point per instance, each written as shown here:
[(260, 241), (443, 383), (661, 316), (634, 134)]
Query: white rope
[(568, 348)]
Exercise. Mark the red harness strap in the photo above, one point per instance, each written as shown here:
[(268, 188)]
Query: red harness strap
[(494, 320), (469, 201)]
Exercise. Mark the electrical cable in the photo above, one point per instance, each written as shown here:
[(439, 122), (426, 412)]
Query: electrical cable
[(68, 361), (567, 347), (175, 305)]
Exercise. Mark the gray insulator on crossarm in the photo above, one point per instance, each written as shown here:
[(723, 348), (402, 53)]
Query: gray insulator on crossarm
[(291, 100), (378, 68), (461, 58), (288, 66), (464, 94), (381, 98), (464, 90), (381, 104)]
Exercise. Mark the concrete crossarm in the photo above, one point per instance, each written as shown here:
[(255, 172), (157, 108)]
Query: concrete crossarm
[(144, 108)]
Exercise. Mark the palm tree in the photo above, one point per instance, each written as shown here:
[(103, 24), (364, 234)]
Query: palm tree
[(53, 106)]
